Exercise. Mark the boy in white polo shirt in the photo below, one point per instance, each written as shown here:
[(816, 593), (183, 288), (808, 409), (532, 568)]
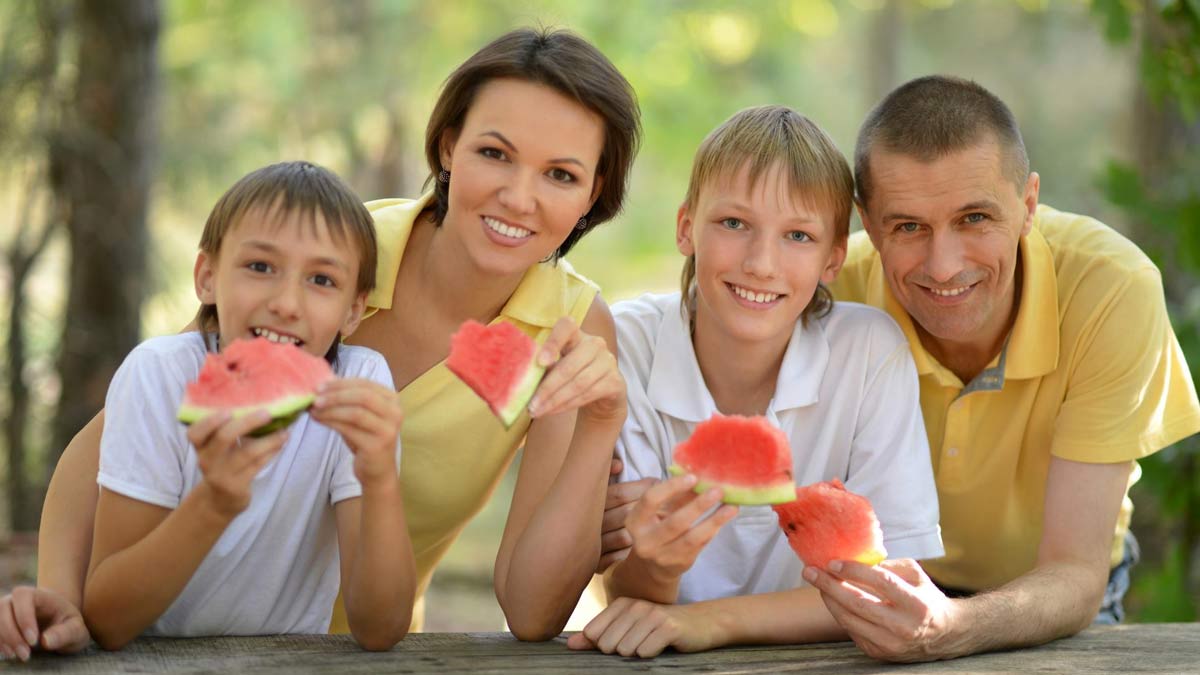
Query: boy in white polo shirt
[(755, 332)]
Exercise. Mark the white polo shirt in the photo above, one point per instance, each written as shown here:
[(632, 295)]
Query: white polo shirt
[(847, 400)]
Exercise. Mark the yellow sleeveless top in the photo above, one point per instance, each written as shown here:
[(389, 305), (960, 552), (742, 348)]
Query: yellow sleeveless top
[(453, 450)]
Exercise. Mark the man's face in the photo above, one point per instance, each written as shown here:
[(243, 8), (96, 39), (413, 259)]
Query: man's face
[(947, 233)]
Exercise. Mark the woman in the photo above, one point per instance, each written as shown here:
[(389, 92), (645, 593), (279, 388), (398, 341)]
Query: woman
[(529, 145)]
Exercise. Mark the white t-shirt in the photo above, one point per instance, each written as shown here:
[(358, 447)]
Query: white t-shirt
[(275, 568), (846, 398)]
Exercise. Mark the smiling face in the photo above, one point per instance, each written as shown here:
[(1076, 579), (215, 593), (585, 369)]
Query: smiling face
[(760, 253), (284, 278), (947, 233), (523, 171)]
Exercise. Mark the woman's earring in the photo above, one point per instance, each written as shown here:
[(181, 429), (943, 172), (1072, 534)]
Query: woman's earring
[(582, 224), (443, 176)]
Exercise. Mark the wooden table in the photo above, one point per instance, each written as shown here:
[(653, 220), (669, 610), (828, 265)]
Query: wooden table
[(1158, 648)]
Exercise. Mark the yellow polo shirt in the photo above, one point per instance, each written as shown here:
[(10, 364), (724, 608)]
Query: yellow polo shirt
[(453, 450), (1091, 372)]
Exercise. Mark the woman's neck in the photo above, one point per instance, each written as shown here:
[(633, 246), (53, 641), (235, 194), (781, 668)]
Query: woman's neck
[(455, 288), (740, 375)]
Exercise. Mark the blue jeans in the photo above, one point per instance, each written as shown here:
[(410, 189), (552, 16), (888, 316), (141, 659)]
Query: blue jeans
[(1111, 609)]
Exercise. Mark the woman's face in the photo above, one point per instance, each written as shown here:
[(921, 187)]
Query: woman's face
[(522, 173)]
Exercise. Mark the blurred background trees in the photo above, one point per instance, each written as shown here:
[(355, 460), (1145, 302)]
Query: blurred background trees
[(125, 121)]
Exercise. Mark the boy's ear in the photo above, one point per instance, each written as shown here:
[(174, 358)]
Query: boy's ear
[(683, 231), (204, 274), (355, 315)]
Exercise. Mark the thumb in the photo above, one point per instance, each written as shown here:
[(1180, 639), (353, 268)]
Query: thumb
[(580, 641)]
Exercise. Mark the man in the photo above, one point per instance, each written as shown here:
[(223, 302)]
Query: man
[(1047, 366)]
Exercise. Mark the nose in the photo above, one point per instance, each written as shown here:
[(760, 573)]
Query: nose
[(762, 257), (944, 257), (287, 300), (518, 195)]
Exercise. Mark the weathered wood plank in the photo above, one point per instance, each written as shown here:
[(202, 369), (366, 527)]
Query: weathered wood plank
[(1160, 648)]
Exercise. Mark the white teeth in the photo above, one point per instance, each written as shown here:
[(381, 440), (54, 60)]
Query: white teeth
[(754, 297), (949, 292), (274, 337), (506, 230)]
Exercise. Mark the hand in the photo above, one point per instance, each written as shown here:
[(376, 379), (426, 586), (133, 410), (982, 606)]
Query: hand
[(893, 611), (643, 628), (664, 528), (229, 458), (368, 416), (615, 540), (38, 617), (581, 374)]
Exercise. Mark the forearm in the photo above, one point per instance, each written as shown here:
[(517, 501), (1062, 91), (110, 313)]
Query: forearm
[(128, 590), (633, 577), (786, 617), (65, 533), (555, 555), (1054, 600), (379, 596)]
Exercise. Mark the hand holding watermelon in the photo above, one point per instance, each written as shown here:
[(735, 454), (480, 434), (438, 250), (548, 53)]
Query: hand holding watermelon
[(581, 374), (229, 457), (667, 530), (368, 416)]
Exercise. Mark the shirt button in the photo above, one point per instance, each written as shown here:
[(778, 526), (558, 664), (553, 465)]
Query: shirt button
[(953, 452)]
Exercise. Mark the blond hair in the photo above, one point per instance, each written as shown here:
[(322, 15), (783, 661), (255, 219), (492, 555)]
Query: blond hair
[(762, 138)]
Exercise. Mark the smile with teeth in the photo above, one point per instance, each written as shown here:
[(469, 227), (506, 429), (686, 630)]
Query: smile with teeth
[(276, 337), (950, 292), (510, 231), (754, 296)]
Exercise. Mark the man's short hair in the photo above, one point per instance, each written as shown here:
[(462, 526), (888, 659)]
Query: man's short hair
[(933, 116)]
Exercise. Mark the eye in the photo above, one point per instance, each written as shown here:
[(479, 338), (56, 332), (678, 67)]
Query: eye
[(493, 153), (797, 235), (562, 175), (975, 217), (259, 266), (323, 280), (732, 224), (907, 228)]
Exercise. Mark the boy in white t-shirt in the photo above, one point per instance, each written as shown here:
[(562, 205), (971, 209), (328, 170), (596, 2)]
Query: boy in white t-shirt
[(755, 332), (206, 530)]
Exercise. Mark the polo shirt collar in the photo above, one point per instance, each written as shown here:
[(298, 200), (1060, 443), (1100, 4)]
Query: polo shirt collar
[(676, 387), (1031, 349)]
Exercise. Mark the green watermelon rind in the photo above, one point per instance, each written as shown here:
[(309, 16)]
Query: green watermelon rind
[(522, 394), (743, 495), (283, 412)]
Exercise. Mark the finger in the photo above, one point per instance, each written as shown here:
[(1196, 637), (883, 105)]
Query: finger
[(199, 432), (10, 635), (907, 569), (563, 336), (638, 631), (24, 604), (628, 492), (596, 627), (854, 600), (621, 625), (616, 467), (580, 641), (599, 380), (611, 558), (702, 532), (259, 451), (683, 520), (68, 636), (879, 581), (355, 417), (658, 640), (614, 518), (615, 540), (359, 393), (567, 373), (655, 498), (228, 435)]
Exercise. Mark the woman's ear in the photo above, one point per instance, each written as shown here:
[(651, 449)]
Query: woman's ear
[(446, 147), (204, 275)]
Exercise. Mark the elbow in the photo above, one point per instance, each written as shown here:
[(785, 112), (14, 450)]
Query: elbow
[(108, 639), (532, 626), (384, 635), (533, 632)]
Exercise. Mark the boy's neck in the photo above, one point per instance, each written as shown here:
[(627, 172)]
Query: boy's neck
[(740, 375)]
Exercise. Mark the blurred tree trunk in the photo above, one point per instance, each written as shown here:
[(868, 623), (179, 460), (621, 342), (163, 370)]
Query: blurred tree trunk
[(883, 52), (103, 164)]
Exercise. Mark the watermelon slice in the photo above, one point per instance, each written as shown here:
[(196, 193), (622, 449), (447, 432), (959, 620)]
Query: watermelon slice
[(827, 522), (250, 375), (498, 363), (747, 457)]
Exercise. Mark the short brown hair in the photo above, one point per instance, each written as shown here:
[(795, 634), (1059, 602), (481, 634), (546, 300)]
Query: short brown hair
[(568, 64), (933, 116), (763, 137), (285, 188)]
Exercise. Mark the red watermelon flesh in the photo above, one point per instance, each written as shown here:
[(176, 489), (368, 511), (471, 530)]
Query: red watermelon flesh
[(498, 362), (827, 522), (250, 375), (747, 457)]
